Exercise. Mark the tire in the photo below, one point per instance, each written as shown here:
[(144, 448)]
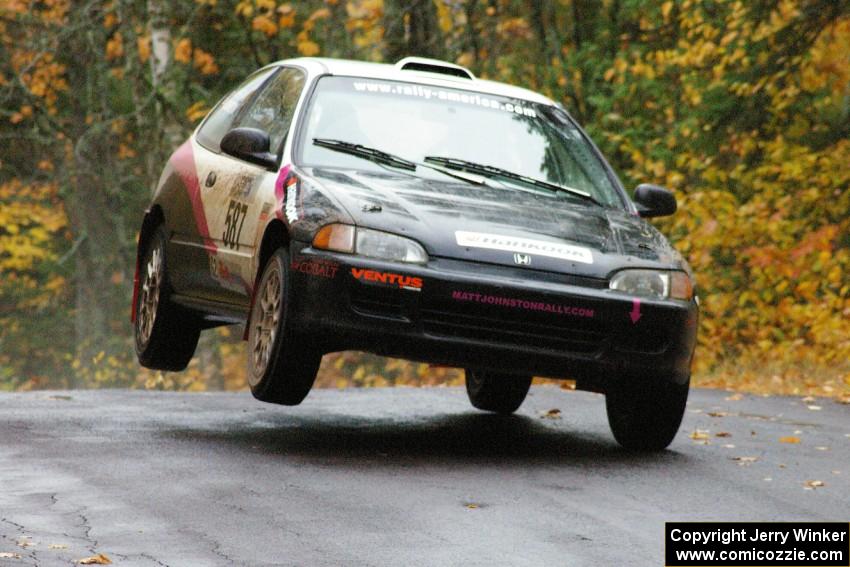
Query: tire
[(645, 416), (166, 334), (281, 365), (500, 393)]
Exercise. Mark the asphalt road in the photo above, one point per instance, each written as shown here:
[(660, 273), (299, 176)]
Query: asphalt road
[(394, 477)]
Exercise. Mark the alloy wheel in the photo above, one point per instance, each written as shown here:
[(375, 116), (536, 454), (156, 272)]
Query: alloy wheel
[(149, 301), (266, 322)]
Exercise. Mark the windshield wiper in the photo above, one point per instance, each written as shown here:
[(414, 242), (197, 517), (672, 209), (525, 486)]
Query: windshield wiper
[(492, 171), (372, 154), (386, 158)]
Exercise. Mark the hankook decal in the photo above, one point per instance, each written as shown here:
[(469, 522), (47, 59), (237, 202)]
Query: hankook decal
[(315, 267), (526, 245), (388, 278), (293, 194), (287, 192), (528, 305)]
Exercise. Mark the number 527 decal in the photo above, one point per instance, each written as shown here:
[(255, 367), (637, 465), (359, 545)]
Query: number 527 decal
[(236, 212)]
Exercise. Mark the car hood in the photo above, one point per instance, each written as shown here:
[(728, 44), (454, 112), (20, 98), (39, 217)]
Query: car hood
[(459, 220)]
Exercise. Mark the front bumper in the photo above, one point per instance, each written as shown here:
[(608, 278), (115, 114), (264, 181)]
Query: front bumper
[(489, 317)]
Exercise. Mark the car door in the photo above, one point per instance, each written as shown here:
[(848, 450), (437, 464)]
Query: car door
[(236, 200), (193, 252)]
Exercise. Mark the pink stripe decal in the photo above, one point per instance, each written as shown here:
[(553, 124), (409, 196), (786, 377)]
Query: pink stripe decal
[(183, 161)]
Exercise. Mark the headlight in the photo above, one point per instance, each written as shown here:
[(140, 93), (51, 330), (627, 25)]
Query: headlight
[(653, 283), (371, 243)]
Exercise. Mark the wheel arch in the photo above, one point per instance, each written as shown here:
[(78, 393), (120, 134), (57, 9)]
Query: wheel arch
[(275, 236)]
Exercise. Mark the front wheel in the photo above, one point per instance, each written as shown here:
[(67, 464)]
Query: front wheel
[(496, 392), (645, 415), (282, 365)]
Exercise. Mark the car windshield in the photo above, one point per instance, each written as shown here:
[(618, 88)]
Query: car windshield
[(415, 122)]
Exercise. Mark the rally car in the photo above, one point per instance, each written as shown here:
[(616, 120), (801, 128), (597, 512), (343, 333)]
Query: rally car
[(416, 211)]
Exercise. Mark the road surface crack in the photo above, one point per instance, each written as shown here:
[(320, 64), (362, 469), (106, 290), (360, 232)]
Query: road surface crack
[(18, 526), (87, 528), (154, 559)]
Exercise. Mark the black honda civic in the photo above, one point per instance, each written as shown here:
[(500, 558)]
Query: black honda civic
[(415, 211)]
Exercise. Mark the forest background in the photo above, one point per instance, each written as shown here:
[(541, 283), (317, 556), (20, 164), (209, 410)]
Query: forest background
[(741, 107)]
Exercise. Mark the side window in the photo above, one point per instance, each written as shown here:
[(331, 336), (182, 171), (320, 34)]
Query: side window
[(219, 121), (273, 109)]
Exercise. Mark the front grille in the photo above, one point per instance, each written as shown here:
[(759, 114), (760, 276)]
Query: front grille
[(578, 339)]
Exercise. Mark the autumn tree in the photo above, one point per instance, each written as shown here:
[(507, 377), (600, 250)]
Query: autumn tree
[(742, 108)]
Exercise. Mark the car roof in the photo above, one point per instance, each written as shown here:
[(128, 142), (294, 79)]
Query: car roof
[(396, 72)]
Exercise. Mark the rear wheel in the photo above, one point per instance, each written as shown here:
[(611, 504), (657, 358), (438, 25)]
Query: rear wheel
[(282, 365), (496, 392), (645, 415), (166, 335)]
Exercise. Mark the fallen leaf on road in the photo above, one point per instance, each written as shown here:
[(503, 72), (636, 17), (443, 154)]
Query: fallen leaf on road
[(734, 398), (814, 408), (808, 399), (812, 484), (767, 479), (836, 472), (718, 413), (553, 413), (745, 461), (822, 448), (471, 506), (24, 541), (57, 546), (700, 435), (99, 559), (723, 434), (843, 400), (9, 555), (789, 439), (728, 446)]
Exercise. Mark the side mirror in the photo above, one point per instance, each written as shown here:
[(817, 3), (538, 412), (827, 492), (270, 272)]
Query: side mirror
[(249, 144), (654, 201)]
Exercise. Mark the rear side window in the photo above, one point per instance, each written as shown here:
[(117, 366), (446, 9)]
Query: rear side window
[(220, 120), (272, 110)]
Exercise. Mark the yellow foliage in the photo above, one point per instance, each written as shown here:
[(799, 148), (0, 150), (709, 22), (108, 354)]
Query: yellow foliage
[(308, 48), (264, 24), (183, 51), (143, 46), (197, 111), (204, 62)]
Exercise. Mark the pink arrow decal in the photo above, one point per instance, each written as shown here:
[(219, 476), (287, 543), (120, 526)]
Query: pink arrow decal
[(635, 314)]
